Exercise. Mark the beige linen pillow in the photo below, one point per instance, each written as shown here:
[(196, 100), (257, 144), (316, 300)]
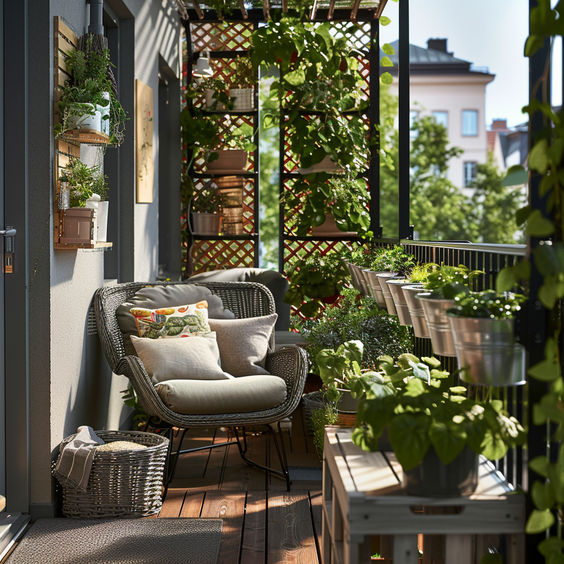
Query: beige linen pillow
[(190, 358), (244, 343)]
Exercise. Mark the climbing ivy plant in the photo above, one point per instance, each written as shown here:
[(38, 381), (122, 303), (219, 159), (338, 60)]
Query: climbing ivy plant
[(546, 159)]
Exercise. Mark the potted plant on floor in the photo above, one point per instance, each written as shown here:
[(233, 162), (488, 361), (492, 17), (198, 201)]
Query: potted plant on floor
[(435, 430), (88, 100), (483, 329), (441, 287)]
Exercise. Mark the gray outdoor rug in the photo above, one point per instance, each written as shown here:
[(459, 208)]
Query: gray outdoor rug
[(120, 541)]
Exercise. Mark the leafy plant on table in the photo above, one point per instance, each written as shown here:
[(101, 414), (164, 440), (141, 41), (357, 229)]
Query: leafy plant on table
[(446, 282), (420, 409)]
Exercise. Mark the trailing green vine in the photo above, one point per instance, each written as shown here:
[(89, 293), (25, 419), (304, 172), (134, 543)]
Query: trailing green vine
[(546, 159)]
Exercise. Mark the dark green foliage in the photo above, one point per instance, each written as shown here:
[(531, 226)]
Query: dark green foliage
[(83, 181), (357, 318), (487, 304)]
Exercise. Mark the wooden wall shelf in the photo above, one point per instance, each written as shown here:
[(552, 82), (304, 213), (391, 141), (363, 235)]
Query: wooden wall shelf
[(75, 246), (80, 136)]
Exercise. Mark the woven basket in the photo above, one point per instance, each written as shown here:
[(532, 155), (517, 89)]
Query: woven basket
[(121, 483)]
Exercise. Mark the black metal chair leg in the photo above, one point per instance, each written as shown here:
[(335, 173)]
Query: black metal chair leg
[(174, 456), (284, 473)]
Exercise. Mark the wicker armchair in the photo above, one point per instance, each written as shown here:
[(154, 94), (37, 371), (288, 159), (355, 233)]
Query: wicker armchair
[(244, 299)]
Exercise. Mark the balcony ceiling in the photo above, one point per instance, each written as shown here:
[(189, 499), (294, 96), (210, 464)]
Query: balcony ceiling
[(262, 10)]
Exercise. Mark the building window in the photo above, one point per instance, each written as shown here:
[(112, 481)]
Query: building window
[(470, 169), (470, 122), (441, 118)]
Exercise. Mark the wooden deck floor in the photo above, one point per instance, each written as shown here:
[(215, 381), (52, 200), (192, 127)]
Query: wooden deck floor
[(262, 522)]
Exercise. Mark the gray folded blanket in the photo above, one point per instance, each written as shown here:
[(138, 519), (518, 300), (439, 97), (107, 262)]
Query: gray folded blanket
[(76, 458)]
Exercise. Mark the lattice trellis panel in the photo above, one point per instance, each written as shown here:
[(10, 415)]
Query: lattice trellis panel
[(358, 34), (227, 124), (221, 36), (215, 255)]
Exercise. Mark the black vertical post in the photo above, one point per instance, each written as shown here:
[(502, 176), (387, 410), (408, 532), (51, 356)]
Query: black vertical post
[(281, 155), (403, 120), (256, 186), (374, 121), (536, 315)]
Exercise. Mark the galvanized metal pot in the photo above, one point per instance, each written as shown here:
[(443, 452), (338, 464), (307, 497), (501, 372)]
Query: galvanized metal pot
[(415, 308), (363, 281), (395, 287), (433, 478), (375, 288), (437, 321), (487, 352), (383, 278), (354, 276)]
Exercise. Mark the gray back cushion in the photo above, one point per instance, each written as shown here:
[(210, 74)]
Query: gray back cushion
[(152, 297)]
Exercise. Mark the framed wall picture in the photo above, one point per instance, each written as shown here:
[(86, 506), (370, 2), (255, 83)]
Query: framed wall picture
[(144, 142)]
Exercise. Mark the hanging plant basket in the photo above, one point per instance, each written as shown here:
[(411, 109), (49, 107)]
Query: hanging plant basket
[(486, 351)]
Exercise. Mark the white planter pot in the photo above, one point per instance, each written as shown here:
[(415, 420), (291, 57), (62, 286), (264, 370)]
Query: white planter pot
[(85, 117), (102, 213), (210, 100), (243, 98), (105, 117)]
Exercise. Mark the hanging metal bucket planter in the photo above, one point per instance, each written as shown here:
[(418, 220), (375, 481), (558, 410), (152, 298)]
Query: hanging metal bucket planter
[(353, 271), (362, 281), (375, 288), (383, 278), (486, 351), (415, 308), (395, 287), (205, 223), (438, 323)]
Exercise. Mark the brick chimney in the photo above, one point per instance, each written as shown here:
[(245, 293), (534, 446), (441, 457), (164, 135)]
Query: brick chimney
[(438, 44), (499, 125)]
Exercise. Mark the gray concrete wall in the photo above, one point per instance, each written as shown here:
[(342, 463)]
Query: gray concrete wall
[(82, 389)]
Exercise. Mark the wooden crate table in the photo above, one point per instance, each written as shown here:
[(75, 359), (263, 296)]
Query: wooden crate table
[(362, 497)]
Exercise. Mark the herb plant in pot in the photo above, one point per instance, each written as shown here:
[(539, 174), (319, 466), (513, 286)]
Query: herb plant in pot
[(435, 430), (442, 286), (483, 328), (87, 100), (416, 279), (206, 210), (242, 92)]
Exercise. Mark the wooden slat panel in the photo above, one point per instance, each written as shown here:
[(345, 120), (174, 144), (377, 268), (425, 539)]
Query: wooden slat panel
[(253, 549), (229, 507), (64, 30), (290, 533)]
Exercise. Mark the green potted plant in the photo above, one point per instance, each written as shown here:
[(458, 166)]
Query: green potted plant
[(314, 281), (87, 99), (435, 430), (216, 93), (83, 188), (442, 285), (242, 89), (316, 197), (391, 263), (415, 280), (205, 206), (483, 329)]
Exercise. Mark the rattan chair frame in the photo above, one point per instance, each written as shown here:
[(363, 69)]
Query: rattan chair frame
[(244, 299)]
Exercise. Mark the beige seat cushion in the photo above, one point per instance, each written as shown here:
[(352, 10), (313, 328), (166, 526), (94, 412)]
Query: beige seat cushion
[(195, 357), (244, 343), (239, 395)]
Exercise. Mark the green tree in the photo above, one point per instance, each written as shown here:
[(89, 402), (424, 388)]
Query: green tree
[(495, 206)]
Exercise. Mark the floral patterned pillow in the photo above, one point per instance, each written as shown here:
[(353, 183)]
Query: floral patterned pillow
[(172, 321)]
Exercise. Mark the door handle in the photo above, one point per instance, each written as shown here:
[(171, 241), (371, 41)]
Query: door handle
[(9, 236)]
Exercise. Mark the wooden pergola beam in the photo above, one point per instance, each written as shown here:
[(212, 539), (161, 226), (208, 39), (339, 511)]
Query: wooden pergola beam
[(331, 10), (354, 10), (313, 11), (182, 9), (243, 10), (266, 10), (199, 11), (285, 6)]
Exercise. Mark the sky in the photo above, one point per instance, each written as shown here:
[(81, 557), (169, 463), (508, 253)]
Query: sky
[(488, 33)]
